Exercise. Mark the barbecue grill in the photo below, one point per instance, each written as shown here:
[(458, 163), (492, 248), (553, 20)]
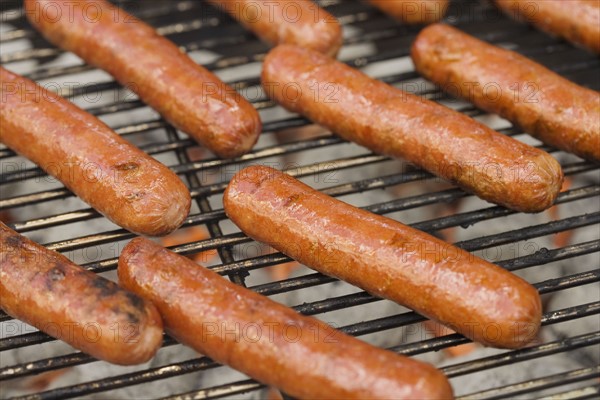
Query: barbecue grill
[(562, 363)]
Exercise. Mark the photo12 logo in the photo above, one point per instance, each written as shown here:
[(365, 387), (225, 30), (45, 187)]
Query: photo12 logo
[(266, 332), (88, 92), (71, 11), (70, 331)]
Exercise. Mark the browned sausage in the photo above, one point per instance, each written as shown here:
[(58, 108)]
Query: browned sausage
[(46, 290), (184, 93), (413, 11), (116, 178), (384, 257), (267, 341), (578, 21), (387, 120), (548, 106), (298, 22)]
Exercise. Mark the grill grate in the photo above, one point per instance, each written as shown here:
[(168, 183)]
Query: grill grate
[(373, 41)]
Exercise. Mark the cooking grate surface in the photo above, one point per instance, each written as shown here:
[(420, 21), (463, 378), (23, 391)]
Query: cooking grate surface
[(41, 208)]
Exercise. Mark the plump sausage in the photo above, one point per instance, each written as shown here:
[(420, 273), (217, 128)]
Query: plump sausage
[(551, 108), (184, 93), (578, 21), (298, 22), (413, 11), (387, 120), (46, 290), (302, 356), (116, 178), (384, 257)]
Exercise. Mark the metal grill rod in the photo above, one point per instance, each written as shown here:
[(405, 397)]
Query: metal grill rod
[(479, 243), (530, 386), (263, 102), (359, 62), (584, 393), (322, 306), (528, 353), (206, 245), (451, 371), (351, 188), (439, 344), (539, 258), (203, 363), (216, 392)]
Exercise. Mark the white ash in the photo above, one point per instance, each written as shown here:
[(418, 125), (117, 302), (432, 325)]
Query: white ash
[(590, 355), (511, 374)]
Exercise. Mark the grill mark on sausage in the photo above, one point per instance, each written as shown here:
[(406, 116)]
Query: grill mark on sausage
[(128, 166), (46, 290), (136, 301), (105, 287), (13, 241), (291, 200)]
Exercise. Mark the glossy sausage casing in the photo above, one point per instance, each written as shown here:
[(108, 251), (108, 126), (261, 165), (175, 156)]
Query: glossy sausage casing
[(46, 290), (575, 20), (413, 11), (556, 111), (186, 94), (302, 356), (387, 120), (299, 22), (116, 178), (384, 257)]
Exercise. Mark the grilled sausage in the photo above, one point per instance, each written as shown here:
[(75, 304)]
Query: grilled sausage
[(298, 22), (413, 11), (116, 178), (267, 341), (387, 120), (384, 257), (46, 290), (548, 106), (578, 21), (184, 93)]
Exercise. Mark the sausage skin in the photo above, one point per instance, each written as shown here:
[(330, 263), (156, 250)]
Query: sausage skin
[(551, 108), (113, 176), (187, 95), (302, 356), (45, 289), (384, 257), (299, 22), (578, 21), (390, 121), (413, 11)]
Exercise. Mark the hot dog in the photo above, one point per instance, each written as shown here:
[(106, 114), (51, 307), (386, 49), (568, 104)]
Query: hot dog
[(303, 356), (413, 11), (387, 120), (46, 290), (298, 22), (548, 106), (384, 257), (184, 93), (578, 21), (116, 178)]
